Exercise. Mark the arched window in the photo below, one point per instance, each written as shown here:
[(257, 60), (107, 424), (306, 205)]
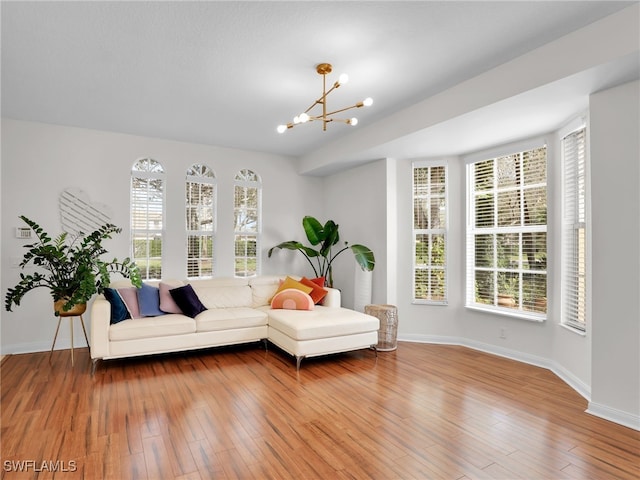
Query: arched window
[(147, 216), (247, 223), (200, 220)]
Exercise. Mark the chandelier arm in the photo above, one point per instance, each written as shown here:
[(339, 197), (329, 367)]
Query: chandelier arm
[(317, 102), (335, 85), (323, 98), (331, 119), (357, 105)]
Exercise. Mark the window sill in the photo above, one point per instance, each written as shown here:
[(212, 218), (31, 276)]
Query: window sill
[(531, 317), (577, 331), (441, 303)]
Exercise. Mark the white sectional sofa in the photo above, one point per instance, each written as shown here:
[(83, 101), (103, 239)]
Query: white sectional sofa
[(237, 311)]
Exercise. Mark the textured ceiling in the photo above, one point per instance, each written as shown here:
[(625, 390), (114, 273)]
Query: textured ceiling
[(227, 73)]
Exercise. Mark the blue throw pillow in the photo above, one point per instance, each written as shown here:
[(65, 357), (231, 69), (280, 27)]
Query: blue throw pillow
[(186, 298), (149, 301), (119, 310)]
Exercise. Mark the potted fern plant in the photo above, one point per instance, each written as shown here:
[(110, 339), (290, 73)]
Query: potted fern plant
[(325, 237), (73, 268)]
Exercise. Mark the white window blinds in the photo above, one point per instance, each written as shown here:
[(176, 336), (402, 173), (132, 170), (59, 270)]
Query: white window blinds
[(200, 220), (507, 233), (574, 230), (247, 200), (147, 216), (429, 232)]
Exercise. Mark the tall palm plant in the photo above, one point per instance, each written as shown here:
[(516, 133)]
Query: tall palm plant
[(325, 237)]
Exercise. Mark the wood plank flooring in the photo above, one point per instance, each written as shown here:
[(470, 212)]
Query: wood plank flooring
[(420, 412)]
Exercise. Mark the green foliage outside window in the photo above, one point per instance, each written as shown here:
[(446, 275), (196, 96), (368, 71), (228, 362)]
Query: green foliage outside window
[(246, 253)]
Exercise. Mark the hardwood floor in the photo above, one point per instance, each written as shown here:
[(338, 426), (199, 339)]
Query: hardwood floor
[(421, 412)]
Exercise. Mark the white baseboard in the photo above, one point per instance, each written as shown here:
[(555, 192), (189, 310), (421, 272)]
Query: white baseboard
[(614, 415), (33, 347), (602, 411), (483, 347)]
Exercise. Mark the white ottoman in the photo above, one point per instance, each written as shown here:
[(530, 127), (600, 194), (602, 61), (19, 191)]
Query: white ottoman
[(321, 331)]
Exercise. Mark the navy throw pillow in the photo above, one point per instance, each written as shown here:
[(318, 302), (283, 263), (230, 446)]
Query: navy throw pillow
[(186, 298), (119, 310)]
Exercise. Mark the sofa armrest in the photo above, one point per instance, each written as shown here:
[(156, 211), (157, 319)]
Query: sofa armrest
[(333, 298), (100, 321)]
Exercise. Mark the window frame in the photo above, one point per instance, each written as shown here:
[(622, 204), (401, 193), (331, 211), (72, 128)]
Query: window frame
[(241, 181), (573, 303), (443, 231), (472, 232), (157, 173), (197, 176)]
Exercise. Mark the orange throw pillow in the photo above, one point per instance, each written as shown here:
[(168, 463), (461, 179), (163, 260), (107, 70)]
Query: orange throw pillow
[(318, 293), (318, 281)]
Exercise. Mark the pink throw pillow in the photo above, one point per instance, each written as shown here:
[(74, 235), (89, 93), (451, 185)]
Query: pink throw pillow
[(129, 296), (167, 303)]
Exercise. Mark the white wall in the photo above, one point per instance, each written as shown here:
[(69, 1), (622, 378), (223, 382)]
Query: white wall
[(615, 326), (39, 161), (356, 200)]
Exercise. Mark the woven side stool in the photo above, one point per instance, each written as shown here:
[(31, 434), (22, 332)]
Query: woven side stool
[(388, 332)]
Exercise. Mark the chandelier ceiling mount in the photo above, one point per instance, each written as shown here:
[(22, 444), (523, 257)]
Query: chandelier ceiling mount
[(326, 117)]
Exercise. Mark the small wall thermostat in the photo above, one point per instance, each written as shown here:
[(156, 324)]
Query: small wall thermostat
[(23, 233)]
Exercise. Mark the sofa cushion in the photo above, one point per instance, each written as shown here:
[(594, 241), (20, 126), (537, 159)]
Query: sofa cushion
[(263, 288), (223, 293), (149, 327), (230, 318), (188, 301), (321, 322)]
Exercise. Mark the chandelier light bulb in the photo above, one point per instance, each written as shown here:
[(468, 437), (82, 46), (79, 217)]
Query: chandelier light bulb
[(296, 119), (282, 128), (304, 118), (353, 121), (368, 102), (344, 78)]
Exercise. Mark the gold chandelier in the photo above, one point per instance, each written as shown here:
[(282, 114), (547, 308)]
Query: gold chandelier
[(326, 117)]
